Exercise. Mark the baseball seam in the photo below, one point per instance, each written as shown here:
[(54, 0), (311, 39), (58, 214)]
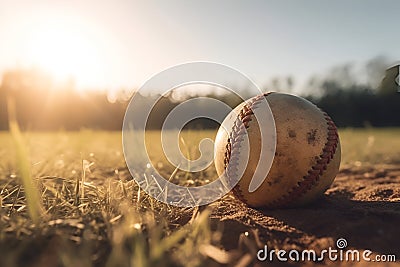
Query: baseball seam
[(314, 173), (232, 149)]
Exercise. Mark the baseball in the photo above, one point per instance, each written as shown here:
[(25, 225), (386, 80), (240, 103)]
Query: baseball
[(307, 152)]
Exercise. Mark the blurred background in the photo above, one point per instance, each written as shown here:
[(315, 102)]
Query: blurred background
[(74, 65)]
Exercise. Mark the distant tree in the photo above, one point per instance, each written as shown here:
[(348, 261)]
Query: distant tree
[(375, 70), (282, 84), (354, 102), (276, 84), (290, 83)]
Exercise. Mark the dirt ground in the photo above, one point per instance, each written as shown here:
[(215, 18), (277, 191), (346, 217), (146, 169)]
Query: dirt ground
[(362, 206)]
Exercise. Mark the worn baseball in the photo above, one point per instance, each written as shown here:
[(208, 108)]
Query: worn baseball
[(307, 152)]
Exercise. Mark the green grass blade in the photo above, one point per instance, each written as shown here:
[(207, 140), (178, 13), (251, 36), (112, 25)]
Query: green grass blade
[(23, 165)]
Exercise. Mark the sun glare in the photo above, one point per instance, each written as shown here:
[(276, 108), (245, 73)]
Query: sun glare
[(66, 51)]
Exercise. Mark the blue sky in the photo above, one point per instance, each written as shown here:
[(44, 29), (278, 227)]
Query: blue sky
[(134, 40)]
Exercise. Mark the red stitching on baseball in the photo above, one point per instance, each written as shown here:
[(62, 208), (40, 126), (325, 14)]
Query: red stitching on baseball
[(231, 160), (313, 175)]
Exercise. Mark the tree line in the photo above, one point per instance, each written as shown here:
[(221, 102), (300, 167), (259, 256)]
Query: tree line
[(45, 105)]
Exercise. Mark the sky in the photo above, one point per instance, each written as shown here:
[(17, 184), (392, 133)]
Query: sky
[(113, 44)]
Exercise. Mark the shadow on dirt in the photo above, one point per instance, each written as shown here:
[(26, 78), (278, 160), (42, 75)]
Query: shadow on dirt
[(372, 225)]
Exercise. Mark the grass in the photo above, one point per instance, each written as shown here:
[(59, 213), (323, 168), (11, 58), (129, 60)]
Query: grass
[(23, 165), (94, 214), (370, 146)]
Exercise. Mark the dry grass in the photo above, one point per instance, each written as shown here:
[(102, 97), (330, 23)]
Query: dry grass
[(92, 208)]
